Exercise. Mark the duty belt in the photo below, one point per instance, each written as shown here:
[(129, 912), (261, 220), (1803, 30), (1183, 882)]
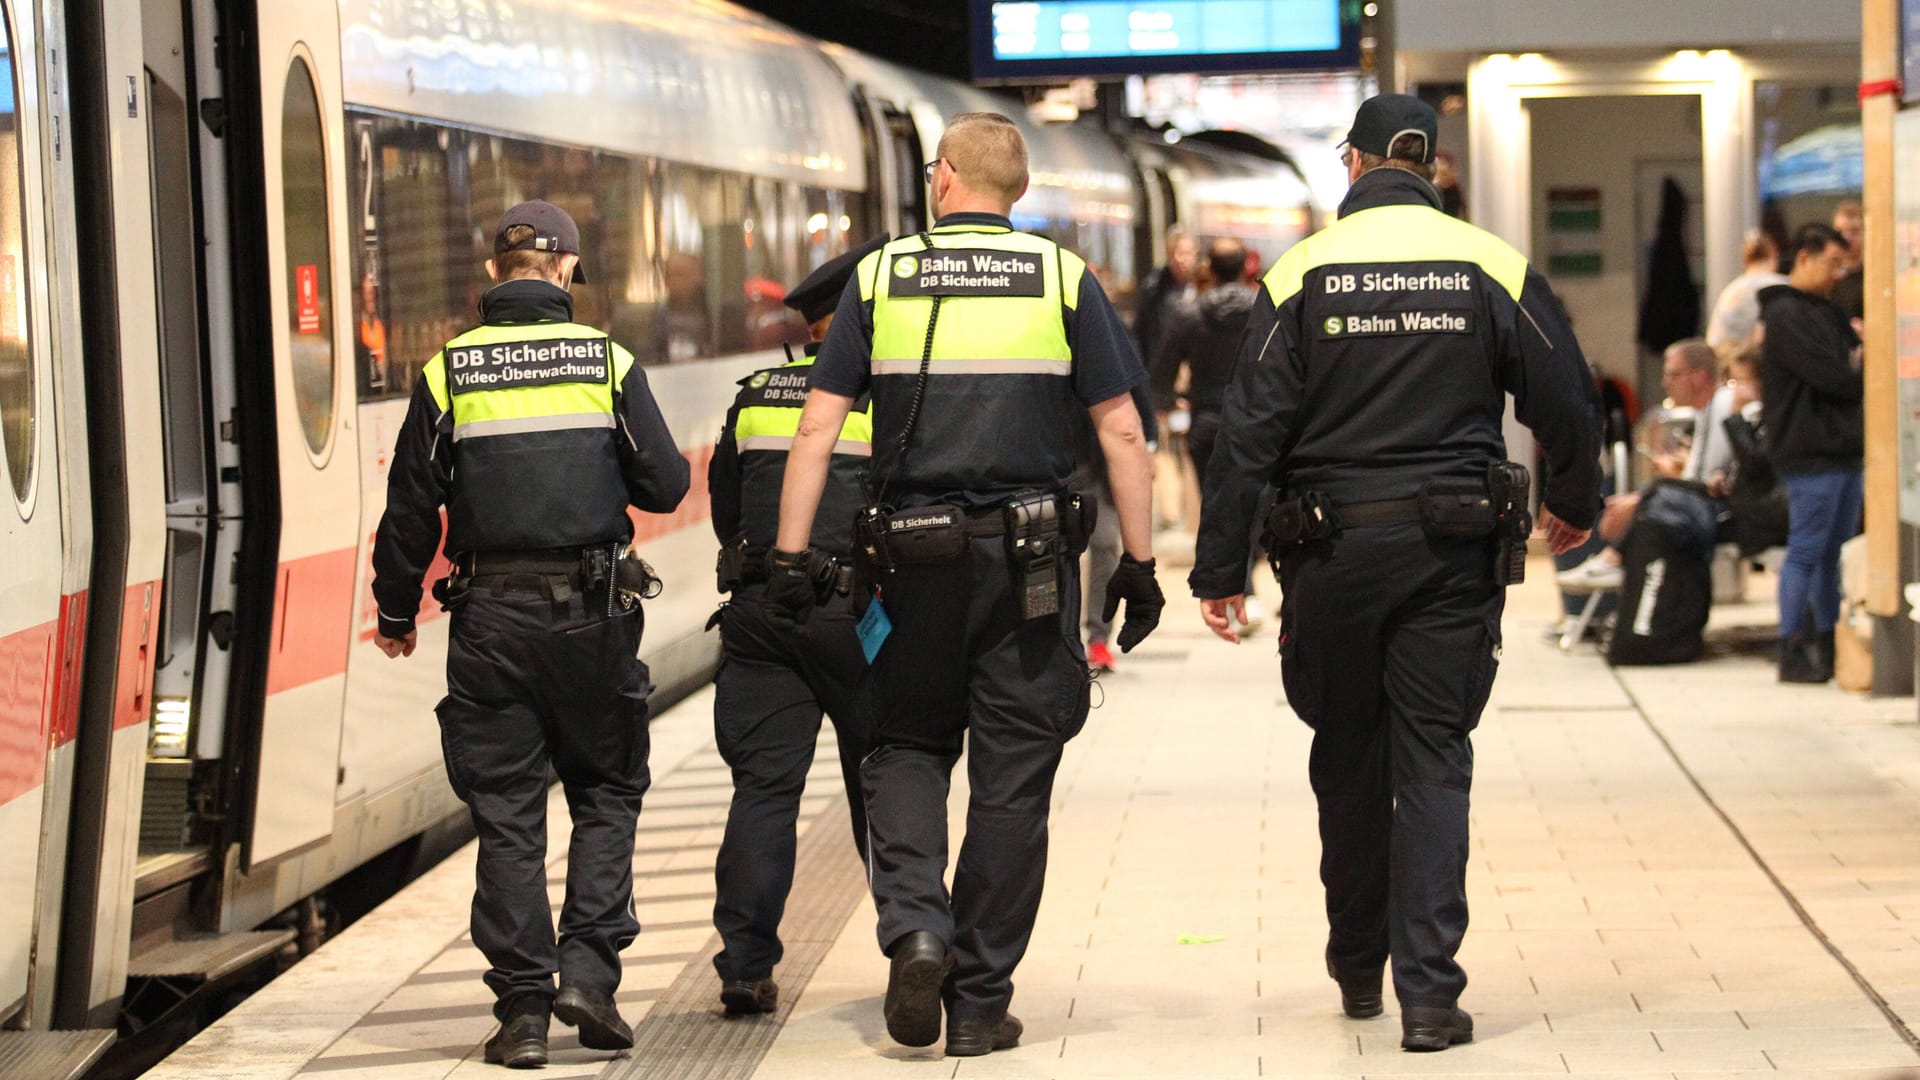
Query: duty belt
[(742, 565), (561, 562), (1365, 515)]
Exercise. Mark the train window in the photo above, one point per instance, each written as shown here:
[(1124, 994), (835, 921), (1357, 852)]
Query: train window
[(309, 281), (685, 263), (18, 398)]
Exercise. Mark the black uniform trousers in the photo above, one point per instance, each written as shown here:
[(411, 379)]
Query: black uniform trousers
[(1389, 644), (769, 694), (532, 681), (961, 664)]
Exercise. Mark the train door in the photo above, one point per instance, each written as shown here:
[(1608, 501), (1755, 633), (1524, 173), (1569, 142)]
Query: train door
[(303, 169), (901, 157), (31, 601)]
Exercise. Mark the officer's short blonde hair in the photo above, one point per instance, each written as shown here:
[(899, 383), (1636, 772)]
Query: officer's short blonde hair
[(988, 152)]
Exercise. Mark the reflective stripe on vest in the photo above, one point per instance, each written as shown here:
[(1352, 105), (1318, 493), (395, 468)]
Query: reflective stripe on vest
[(521, 379), (1397, 234)]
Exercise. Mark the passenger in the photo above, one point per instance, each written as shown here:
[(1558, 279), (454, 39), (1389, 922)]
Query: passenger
[(1363, 386), (1810, 367), (1850, 292), (1690, 376), (1735, 322), (1205, 336), (976, 377), (1161, 288), (772, 687), (536, 433)]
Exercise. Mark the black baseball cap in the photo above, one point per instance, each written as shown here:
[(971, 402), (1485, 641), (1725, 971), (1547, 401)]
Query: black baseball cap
[(1385, 117), (553, 230), (817, 296)]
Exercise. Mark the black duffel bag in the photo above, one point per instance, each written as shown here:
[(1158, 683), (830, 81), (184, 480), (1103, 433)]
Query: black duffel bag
[(1669, 577)]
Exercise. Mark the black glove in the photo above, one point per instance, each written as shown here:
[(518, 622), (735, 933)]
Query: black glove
[(790, 595), (1134, 582)]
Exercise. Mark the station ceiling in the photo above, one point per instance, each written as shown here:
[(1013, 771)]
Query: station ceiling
[(927, 34)]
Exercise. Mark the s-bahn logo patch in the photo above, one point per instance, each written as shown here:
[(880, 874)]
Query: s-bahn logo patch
[(1389, 323), (509, 365), (969, 272), (759, 380)]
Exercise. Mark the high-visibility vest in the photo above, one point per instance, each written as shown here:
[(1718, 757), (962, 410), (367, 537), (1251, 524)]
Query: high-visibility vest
[(535, 451), (998, 412), (766, 418)]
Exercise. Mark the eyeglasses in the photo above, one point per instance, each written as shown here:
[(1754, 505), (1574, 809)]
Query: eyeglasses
[(1346, 158), (930, 168)]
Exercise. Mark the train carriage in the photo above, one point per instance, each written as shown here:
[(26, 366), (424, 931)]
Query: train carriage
[(231, 232)]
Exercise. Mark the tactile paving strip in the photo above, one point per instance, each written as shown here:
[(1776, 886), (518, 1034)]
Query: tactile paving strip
[(687, 1036)]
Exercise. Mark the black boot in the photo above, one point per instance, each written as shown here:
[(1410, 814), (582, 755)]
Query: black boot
[(1423, 1028), (1823, 654), (919, 969), (1799, 662), (521, 1042), (597, 1017), (746, 997), (1359, 995)]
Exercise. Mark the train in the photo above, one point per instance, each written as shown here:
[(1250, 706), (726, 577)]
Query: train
[(231, 233)]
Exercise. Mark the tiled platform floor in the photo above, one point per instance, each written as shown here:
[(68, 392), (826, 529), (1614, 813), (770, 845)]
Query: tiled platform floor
[(1682, 872)]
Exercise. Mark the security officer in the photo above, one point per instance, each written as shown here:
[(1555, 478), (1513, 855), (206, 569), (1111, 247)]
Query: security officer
[(979, 344), (536, 433), (1369, 390), (773, 686)]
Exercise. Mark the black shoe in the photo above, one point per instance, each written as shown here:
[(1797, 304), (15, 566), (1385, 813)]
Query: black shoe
[(1423, 1027), (1359, 996), (1823, 654), (746, 996), (920, 966), (596, 1016), (972, 1038), (1800, 661), (521, 1042)]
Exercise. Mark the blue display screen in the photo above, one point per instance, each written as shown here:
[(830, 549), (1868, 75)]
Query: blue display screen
[(1037, 38)]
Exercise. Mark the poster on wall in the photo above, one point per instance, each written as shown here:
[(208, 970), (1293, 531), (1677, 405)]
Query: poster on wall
[(1906, 296), (1573, 232)]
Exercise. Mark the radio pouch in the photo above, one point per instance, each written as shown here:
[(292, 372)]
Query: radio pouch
[(1452, 508), (1033, 551)]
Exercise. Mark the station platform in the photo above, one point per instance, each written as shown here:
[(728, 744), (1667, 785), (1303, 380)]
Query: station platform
[(1681, 872)]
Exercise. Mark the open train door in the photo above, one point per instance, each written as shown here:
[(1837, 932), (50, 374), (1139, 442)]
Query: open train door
[(301, 482)]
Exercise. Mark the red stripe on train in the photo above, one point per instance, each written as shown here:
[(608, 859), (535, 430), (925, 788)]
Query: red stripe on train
[(312, 620), (139, 634), (26, 678), (70, 650)]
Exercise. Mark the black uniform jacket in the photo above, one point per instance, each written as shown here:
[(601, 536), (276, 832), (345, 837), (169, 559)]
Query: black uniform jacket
[(1812, 391), (550, 472), (1378, 356)]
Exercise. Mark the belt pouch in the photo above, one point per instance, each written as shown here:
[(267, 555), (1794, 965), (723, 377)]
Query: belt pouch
[(1082, 514), (1453, 508), (1033, 537), (925, 534)]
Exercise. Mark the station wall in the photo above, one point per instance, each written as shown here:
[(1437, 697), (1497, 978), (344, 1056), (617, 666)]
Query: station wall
[(1618, 148), (1483, 26)]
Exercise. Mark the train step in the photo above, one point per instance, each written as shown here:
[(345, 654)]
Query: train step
[(52, 1055), (209, 958)]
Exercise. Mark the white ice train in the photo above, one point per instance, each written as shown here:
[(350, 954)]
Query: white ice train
[(231, 231)]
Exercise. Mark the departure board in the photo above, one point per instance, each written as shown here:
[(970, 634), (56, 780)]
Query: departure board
[(1038, 39)]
